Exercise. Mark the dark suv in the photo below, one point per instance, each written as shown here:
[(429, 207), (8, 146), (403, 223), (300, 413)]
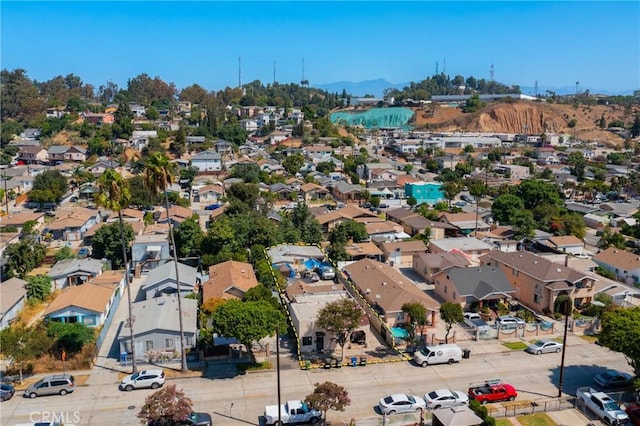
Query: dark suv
[(57, 384)]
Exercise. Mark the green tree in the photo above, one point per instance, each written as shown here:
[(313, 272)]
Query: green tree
[(159, 173), (51, 182), (610, 238), (621, 333), (340, 318), (189, 236), (309, 227), (293, 163), (70, 337), (328, 396), (38, 287), (107, 243), (21, 343), (166, 406), (64, 253), (577, 164), (536, 192), (412, 202), (635, 127), (247, 321), (179, 144), (505, 207), (473, 104), (451, 313), (523, 224), (152, 113), (22, 257), (451, 189), (417, 321), (123, 122)]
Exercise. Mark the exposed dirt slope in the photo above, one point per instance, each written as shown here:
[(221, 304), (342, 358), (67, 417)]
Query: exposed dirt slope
[(529, 117)]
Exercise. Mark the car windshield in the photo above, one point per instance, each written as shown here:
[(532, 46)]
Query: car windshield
[(136, 375), (411, 399), (455, 395), (611, 406), (539, 343)]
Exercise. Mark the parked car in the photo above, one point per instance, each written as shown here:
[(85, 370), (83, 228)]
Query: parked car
[(612, 379), (445, 398), (195, 419), (633, 411), (471, 315), (143, 379), (83, 252), (507, 320), (6, 392), (460, 203), (56, 384), (401, 403), (544, 346)]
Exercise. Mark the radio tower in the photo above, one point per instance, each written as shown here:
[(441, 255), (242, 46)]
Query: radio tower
[(491, 72), (239, 72), (274, 73), (437, 64), (536, 88), (304, 82), (444, 65)]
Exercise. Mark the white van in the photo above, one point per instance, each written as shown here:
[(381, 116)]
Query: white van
[(441, 354)]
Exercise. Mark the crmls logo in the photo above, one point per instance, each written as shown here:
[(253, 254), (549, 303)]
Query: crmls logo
[(57, 417)]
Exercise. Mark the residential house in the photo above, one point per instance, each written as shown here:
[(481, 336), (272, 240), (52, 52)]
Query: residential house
[(424, 192), (624, 264), (466, 223), (177, 215), (368, 250), (229, 280), (386, 290), (470, 286), (140, 138), (460, 415), (472, 247), (99, 119), (162, 281), (71, 272), (223, 147), (328, 220), (380, 230), (33, 155), (88, 304), (97, 169), (292, 257), (55, 153), (207, 161), (249, 125), (400, 253), (138, 111), (346, 192), (128, 215), (149, 251), (539, 282), (55, 112), (156, 328), (313, 192), (18, 220), (71, 224), (76, 154), (304, 309), (566, 244), (512, 171), (278, 136), (427, 265), (209, 194), (13, 295), (30, 134)]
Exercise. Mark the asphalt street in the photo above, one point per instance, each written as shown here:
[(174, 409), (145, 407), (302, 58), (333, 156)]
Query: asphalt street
[(241, 399)]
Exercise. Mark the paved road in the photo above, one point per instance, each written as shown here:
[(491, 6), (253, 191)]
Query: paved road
[(240, 400)]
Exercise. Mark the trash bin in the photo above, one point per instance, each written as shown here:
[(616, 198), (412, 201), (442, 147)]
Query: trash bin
[(466, 353), (354, 361), (307, 365), (363, 360)]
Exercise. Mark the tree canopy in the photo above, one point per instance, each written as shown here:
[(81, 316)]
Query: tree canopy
[(328, 396), (166, 406), (621, 333), (451, 313), (340, 318), (107, 243)]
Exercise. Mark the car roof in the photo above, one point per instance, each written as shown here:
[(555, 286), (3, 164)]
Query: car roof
[(442, 392), (399, 397)]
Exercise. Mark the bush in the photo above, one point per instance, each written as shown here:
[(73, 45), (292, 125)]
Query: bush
[(70, 337)]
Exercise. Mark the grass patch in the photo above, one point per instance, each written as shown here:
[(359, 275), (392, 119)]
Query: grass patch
[(255, 366), (503, 422), (589, 338), (538, 419), (515, 346)]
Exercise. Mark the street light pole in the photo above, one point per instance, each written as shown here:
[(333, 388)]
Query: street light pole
[(564, 345), (278, 375)]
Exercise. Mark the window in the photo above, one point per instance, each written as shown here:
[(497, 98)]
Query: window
[(169, 343), (188, 341), (148, 345), (445, 289), (307, 341), (454, 294), (536, 299), (89, 320)]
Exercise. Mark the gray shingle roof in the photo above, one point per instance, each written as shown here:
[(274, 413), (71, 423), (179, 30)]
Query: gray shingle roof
[(479, 281), (187, 273), (161, 313), (11, 291), (68, 267)]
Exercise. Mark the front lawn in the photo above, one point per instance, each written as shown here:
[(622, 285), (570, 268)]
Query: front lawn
[(515, 346), (538, 419)]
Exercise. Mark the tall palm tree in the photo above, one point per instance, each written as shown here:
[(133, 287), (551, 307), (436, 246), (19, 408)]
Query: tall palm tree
[(113, 194), (158, 176)]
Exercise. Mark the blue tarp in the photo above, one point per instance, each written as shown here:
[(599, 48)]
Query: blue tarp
[(311, 264)]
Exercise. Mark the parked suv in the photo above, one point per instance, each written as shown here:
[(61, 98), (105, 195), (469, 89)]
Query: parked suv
[(143, 379), (509, 321), (57, 384)]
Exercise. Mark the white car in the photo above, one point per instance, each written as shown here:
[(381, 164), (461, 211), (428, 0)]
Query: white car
[(507, 320), (544, 347), (143, 379), (401, 403), (445, 398)]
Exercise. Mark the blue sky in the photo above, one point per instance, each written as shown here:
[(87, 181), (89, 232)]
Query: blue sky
[(555, 43)]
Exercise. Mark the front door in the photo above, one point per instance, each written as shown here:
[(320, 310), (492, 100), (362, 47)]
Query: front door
[(319, 342)]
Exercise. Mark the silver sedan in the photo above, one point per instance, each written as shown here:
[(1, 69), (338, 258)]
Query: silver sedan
[(544, 346)]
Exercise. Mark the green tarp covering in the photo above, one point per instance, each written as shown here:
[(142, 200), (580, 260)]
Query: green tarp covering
[(375, 117)]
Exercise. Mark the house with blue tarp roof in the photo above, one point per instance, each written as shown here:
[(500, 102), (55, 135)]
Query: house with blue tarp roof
[(425, 192)]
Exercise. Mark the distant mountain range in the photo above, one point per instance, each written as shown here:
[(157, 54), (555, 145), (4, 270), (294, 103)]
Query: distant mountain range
[(377, 87)]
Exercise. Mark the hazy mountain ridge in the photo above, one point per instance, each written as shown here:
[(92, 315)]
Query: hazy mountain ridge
[(377, 87)]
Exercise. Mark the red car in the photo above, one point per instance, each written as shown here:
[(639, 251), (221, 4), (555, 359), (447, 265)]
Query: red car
[(633, 411), (492, 391)]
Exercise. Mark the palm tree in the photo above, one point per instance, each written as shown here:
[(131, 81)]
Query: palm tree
[(158, 176), (113, 194)]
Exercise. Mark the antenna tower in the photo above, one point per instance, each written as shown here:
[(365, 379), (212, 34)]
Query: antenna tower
[(274, 73), (304, 82), (239, 72), (491, 72), (444, 65), (536, 88), (437, 64)]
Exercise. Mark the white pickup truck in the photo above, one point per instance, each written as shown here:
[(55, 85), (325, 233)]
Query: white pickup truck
[(291, 412), (602, 406)]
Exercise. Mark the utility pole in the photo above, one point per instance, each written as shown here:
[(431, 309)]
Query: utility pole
[(564, 344)]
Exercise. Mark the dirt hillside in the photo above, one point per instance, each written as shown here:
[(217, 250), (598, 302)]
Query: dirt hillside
[(529, 117)]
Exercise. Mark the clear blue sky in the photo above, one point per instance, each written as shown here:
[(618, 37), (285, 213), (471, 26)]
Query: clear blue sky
[(555, 43)]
